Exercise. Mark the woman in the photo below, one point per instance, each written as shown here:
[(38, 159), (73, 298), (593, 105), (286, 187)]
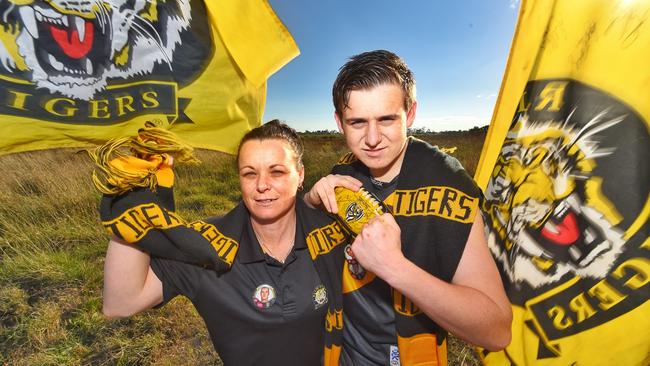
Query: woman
[(269, 308)]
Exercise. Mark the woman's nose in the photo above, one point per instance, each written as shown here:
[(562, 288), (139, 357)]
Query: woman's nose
[(262, 183)]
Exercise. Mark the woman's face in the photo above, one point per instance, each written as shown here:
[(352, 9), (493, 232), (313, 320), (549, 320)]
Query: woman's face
[(269, 178)]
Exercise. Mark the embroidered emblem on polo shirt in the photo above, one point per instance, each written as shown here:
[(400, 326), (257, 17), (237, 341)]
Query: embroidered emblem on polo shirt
[(264, 296), (319, 296)]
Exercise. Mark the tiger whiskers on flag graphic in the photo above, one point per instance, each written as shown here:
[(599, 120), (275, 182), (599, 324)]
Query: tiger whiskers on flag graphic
[(545, 205), (74, 47)]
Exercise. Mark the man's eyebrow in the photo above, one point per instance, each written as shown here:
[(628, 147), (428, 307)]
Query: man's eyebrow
[(356, 119), (385, 117), (388, 116)]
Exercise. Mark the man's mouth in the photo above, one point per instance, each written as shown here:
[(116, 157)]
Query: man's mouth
[(374, 152)]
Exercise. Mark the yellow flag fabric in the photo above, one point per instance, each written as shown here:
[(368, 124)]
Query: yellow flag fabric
[(567, 184), (78, 73)]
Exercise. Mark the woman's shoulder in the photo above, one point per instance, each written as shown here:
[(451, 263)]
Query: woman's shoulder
[(304, 210)]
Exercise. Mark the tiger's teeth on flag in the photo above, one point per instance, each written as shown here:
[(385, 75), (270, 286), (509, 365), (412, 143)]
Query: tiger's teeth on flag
[(567, 184), (76, 74)]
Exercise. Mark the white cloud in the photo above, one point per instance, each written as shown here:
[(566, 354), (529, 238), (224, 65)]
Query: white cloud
[(514, 3)]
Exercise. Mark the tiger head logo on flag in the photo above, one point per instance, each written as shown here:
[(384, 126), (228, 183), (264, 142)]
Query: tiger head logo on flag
[(547, 212), (74, 47)]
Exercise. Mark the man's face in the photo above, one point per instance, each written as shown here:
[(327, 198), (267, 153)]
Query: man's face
[(374, 125)]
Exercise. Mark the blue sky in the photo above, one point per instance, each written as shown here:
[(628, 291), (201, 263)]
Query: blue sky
[(457, 50)]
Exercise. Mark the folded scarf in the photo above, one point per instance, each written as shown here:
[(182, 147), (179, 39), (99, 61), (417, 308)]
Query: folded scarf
[(136, 179)]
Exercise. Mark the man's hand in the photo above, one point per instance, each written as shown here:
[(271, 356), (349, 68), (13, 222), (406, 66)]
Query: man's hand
[(378, 247), (322, 193)]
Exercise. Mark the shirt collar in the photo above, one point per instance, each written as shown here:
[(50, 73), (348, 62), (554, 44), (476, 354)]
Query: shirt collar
[(250, 250)]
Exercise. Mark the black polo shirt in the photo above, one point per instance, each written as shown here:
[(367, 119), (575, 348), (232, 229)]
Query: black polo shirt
[(285, 328)]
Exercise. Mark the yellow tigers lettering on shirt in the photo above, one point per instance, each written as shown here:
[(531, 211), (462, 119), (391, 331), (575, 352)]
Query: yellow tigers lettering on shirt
[(441, 201)]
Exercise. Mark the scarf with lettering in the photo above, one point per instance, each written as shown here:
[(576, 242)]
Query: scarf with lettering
[(146, 218), (434, 204), (134, 175)]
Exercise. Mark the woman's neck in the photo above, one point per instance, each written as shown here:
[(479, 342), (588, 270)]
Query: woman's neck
[(277, 234)]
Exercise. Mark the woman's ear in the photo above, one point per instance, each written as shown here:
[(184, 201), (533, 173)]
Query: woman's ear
[(302, 178)]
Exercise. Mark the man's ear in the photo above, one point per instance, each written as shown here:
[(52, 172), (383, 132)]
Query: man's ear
[(410, 115), (339, 124)]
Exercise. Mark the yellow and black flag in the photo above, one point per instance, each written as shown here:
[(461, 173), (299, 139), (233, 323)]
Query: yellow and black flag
[(566, 177), (73, 73)]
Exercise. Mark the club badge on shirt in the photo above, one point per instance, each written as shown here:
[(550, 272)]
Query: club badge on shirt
[(319, 296), (353, 265), (264, 296)]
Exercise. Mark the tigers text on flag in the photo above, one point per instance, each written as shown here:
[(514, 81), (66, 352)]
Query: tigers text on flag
[(74, 73), (566, 178)]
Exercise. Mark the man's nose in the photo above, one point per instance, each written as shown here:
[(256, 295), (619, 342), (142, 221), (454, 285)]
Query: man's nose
[(373, 134)]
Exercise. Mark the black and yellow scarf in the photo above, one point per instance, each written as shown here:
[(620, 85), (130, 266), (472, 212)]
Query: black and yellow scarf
[(434, 203), (134, 175)]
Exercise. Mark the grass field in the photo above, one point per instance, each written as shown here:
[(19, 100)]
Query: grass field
[(52, 251)]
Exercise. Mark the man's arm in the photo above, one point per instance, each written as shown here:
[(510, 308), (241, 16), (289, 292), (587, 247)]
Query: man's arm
[(473, 307), (130, 286)]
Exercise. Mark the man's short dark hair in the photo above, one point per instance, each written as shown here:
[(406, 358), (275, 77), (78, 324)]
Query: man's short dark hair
[(371, 69), (276, 130)]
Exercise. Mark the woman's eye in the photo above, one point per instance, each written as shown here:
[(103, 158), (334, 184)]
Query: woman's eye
[(277, 173)]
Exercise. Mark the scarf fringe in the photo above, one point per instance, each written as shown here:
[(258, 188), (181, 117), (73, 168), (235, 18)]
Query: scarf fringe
[(153, 144)]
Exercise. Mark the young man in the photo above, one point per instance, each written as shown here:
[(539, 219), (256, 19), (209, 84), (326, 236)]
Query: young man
[(427, 266)]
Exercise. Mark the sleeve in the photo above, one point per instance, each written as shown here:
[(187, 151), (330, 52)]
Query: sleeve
[(177, 278)]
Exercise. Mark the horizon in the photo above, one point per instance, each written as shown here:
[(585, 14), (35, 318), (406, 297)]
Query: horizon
[(409, 131)]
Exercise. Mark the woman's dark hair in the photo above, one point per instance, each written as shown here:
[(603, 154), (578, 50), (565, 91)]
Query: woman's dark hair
[(276, 130)]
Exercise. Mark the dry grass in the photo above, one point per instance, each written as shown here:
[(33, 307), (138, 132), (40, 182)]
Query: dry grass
[(52, 252)]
